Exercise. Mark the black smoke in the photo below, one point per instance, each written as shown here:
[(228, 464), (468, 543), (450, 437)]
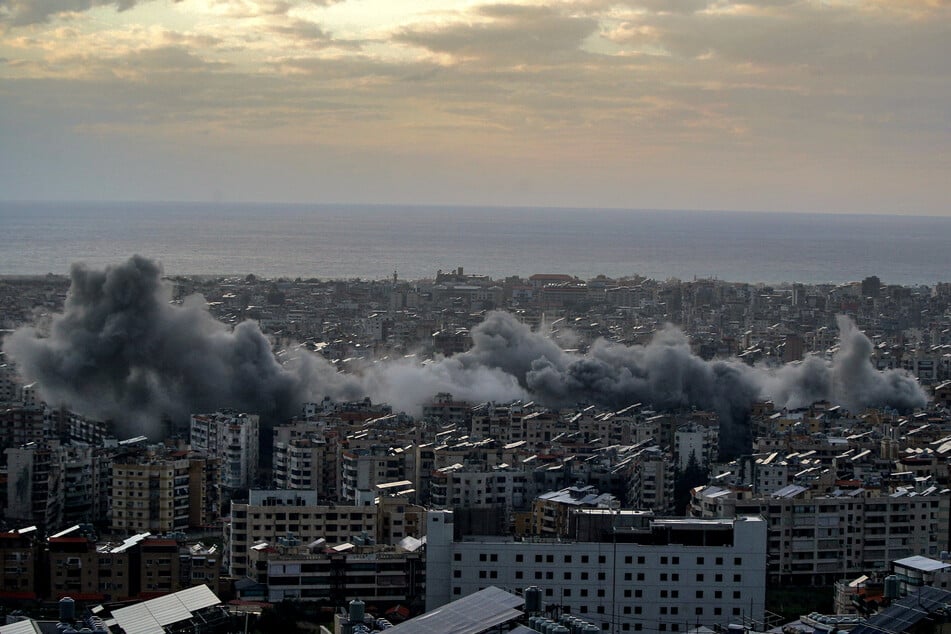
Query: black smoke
[(121, 350)]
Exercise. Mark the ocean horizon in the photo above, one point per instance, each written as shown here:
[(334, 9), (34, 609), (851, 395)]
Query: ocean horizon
[(371, 241)]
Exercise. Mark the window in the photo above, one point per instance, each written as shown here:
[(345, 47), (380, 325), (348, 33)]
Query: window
[(456, 574), (602, 576), (567, 576), (718, 594), (640, 559), (640, 576), (457, 557), (638, 594), (699, 576), (719, 561), (718, 578), (737, 578), (699, 594), (717, 611), (602, 559), (482, 557), (736, 611), (628, 576), (538, 559), (663, 561), (584, 559), (567, 560), (629, 560), (698, 611), (737, 561), (519, 558), (518, 574), (663, 595), (736, 594), (663, 576), (482, 574), (699, 561), (550, 559)]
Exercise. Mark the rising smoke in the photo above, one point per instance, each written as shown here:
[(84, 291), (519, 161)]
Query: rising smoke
[(122, 351)]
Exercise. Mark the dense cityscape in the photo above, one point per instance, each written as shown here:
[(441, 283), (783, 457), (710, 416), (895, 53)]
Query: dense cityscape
[(546, 452)]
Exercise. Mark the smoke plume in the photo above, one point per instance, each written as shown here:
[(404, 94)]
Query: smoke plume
[(122, 351)]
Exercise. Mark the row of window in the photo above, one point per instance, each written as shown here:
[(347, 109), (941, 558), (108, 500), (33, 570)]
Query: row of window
[(602, 559)]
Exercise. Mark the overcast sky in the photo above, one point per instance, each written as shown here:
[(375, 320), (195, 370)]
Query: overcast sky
[(826, 106)]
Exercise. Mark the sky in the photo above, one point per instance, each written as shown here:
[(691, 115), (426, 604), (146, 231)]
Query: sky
[(835, 106)]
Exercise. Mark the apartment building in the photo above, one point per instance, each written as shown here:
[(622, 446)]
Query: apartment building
[(140, 566), (268, 515), (35, 484), (20, 552), (150, 493), (306, 463), (474, 486), (233, 438), (383, 575), (669, 577), (818, 538)]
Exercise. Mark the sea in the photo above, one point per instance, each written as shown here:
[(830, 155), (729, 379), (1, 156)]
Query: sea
[(373, 242)]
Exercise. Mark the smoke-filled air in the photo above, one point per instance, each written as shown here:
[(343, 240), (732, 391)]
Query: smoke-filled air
[(122, 351)]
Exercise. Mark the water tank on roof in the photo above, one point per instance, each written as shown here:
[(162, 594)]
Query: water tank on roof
[(590, 629), (356, 613), (67, 610), (892, 587), (560, 629), (735, 628), (533, 599)]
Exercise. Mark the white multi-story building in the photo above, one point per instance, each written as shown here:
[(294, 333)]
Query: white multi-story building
[(818, 538), (669, 577), (234, 439), (702, 442)]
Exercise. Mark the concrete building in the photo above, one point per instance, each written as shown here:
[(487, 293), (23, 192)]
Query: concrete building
[(698, 442), (268, 515), (233, 438), (382, 575), (668, 578), (150, 493), (816, 539), (20, 552), (34, 484)]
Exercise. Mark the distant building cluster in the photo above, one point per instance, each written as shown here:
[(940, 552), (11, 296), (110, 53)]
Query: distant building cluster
[(632, 519)]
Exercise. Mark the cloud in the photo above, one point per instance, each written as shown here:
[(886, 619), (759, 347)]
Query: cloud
[(25, 12), (507, 33)]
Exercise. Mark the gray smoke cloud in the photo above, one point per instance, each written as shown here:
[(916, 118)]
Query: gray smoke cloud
[(666, 374), (122, 351)]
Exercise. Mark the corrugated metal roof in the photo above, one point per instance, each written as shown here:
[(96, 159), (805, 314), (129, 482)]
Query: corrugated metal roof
[(469, 615), (151, 617), (20, 627)]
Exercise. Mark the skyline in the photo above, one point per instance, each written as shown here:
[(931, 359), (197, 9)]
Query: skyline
[(828, 107)]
